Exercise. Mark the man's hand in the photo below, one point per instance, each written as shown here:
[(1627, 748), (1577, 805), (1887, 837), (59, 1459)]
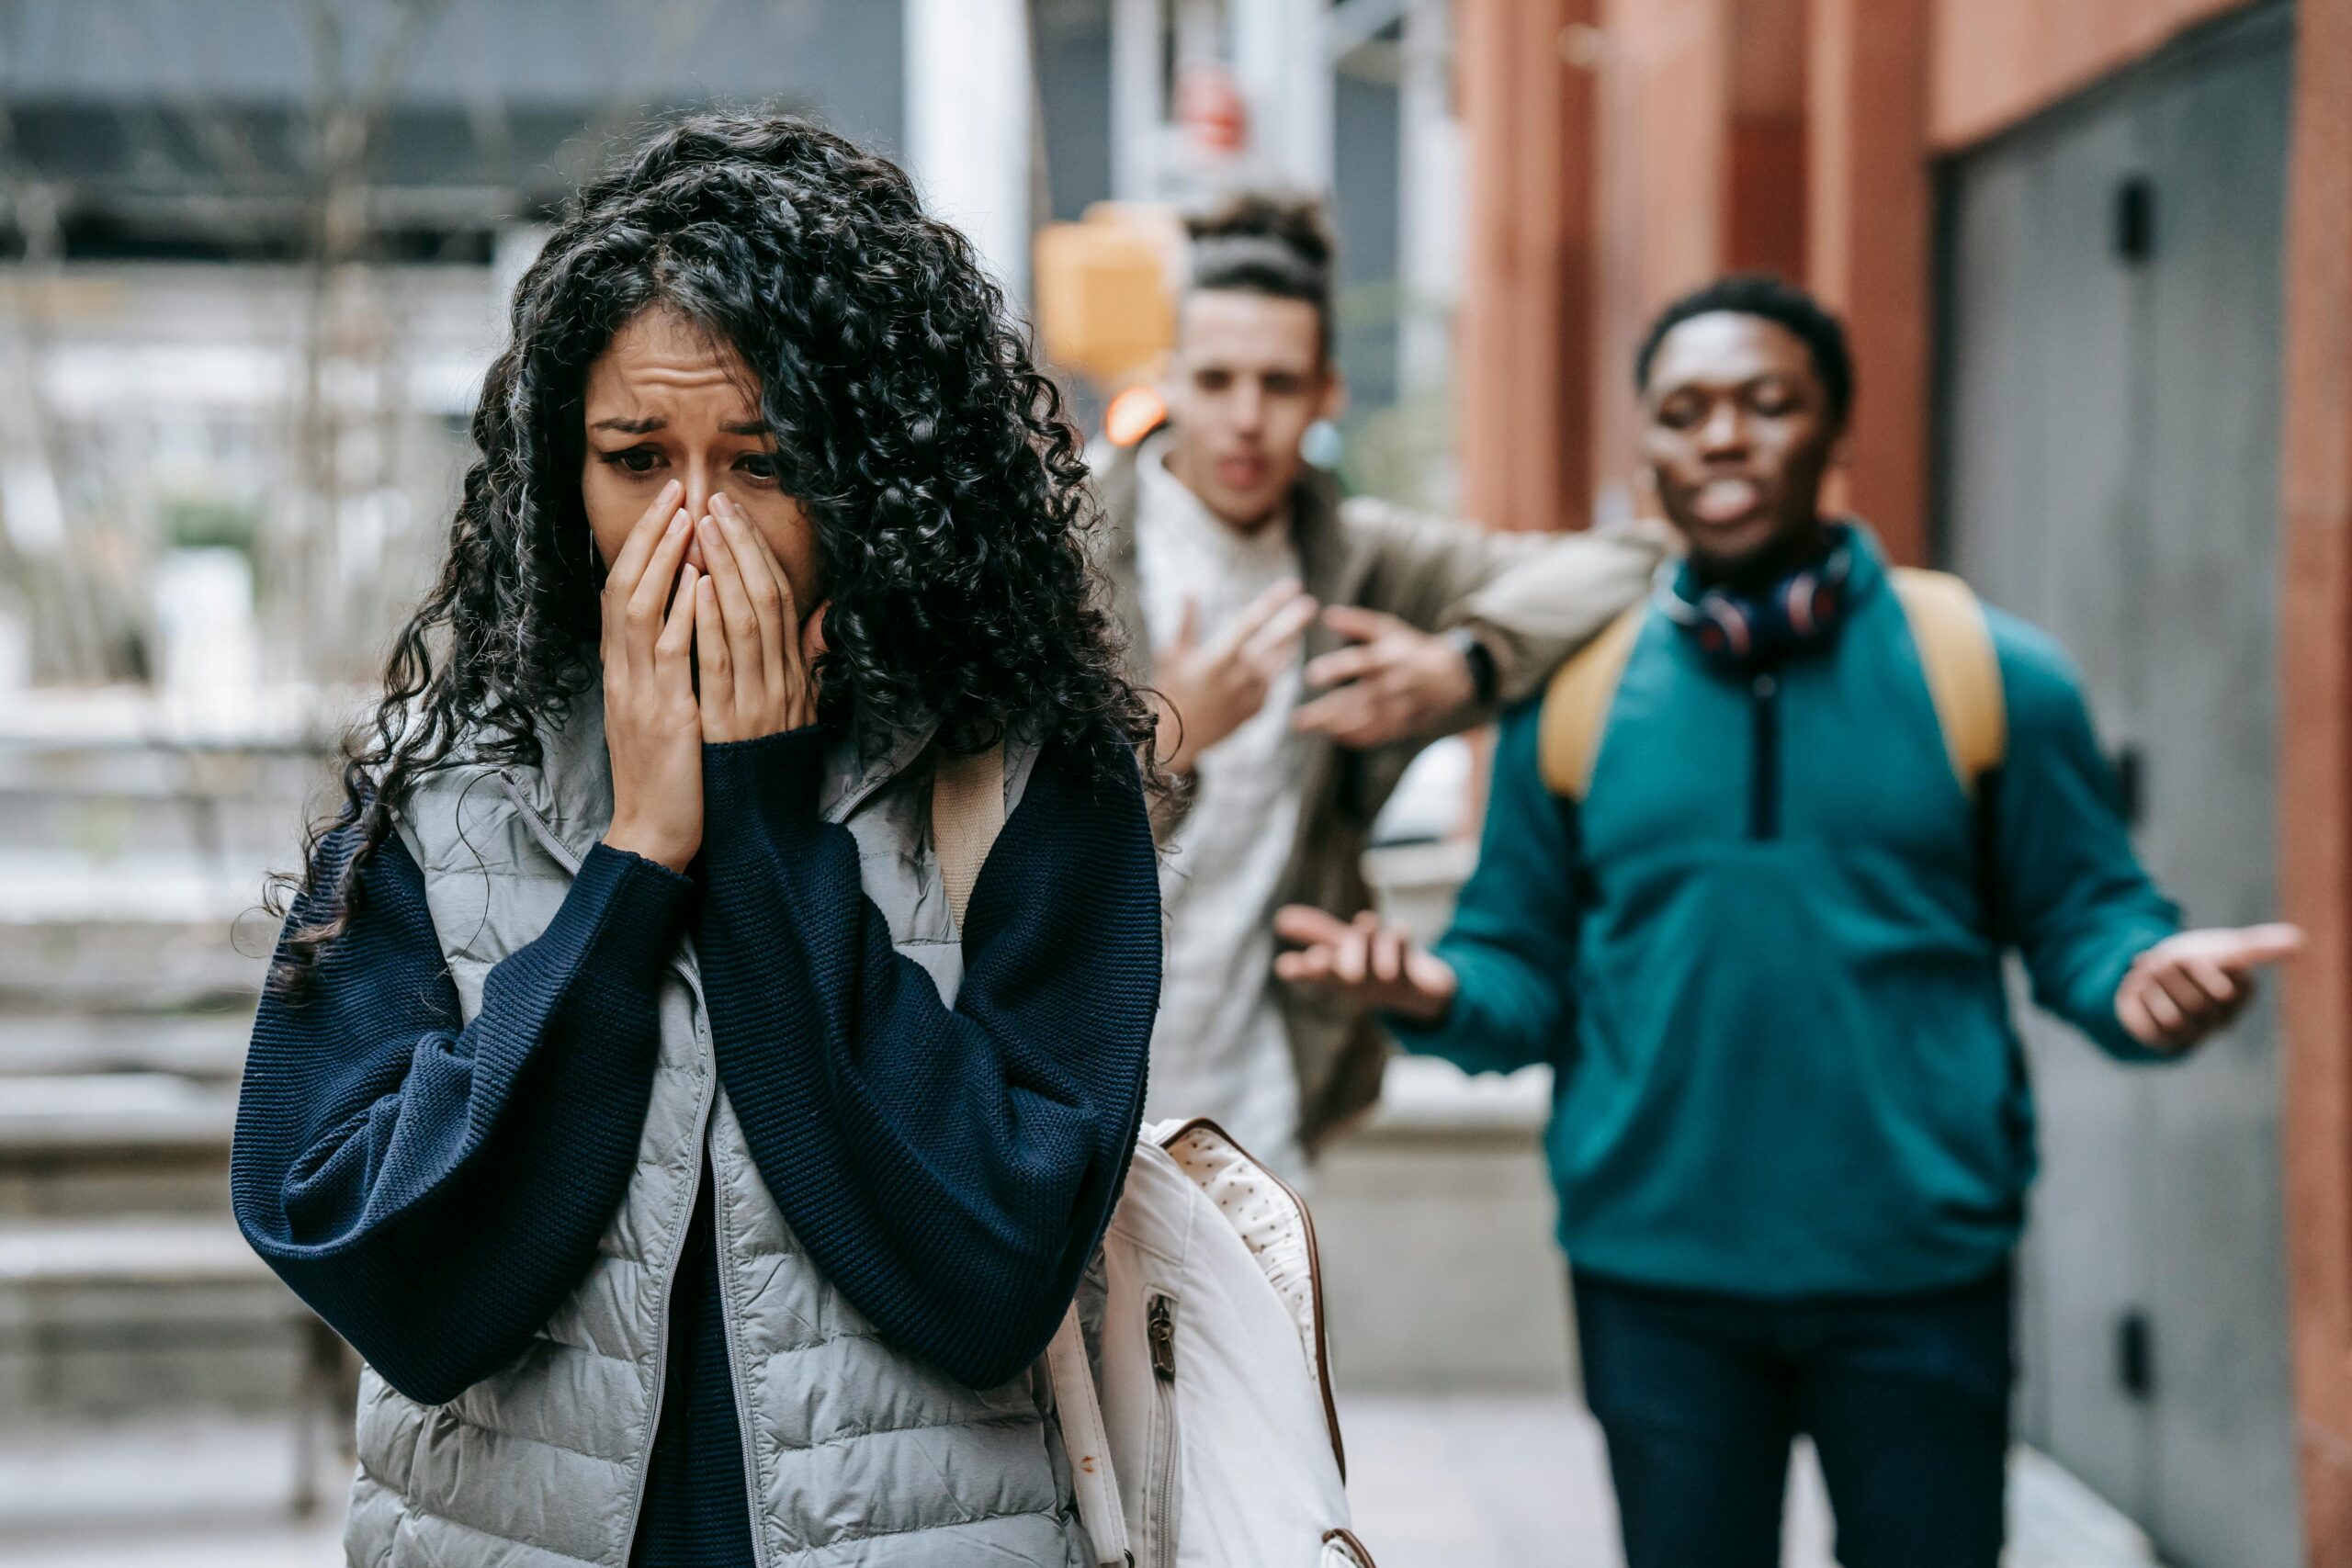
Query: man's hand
[(2188, 986), (1394, 682), (1208, 692), (1371, 965)]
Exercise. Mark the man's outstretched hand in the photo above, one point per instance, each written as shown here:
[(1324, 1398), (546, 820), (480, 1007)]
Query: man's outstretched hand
[(1392, 682), (2187, 986), (1371, 965)]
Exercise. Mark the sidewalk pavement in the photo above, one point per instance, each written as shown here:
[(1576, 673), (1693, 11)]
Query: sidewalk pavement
[(1438, 1483)]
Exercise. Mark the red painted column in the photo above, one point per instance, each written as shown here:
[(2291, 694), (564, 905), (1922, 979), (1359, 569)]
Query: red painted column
[(2315, 766), (1524, 418), (1871, 229)]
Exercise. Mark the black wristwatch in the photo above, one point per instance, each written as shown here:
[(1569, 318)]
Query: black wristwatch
[(1483, 678)]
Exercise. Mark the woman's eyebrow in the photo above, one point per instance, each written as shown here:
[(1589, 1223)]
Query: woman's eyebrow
[(645, 426), (746, 427)]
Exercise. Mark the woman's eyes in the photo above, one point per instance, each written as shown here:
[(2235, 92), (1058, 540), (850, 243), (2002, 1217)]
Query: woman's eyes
[(759, 467)]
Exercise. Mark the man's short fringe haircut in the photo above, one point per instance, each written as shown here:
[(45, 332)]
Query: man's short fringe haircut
[(1773, 299)]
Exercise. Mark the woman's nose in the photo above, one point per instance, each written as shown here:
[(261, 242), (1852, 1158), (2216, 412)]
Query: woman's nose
[(701, 485)]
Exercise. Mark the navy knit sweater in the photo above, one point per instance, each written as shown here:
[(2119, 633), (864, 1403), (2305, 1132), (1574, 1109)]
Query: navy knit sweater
[(434, 1187)]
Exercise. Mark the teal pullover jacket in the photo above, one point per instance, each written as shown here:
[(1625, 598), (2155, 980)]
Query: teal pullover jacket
[(1764, 957)]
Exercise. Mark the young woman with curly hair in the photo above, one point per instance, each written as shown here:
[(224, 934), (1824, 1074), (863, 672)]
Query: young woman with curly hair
[(696, 1190)]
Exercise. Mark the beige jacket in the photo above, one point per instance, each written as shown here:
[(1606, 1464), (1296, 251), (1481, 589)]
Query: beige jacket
[(1533, 599)]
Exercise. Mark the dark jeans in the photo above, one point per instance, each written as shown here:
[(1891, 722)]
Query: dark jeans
[(1907, 1399)]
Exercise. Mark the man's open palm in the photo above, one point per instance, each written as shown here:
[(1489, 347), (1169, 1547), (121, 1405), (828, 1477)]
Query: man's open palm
[(1364, 961), (2188, 986)]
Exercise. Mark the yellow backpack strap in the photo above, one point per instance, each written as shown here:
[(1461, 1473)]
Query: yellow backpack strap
[(1575, 705), (1963, 672)]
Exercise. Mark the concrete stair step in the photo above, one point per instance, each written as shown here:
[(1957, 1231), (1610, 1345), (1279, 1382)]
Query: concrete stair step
[(153, 1250), (90, 1115), (208, 1046)]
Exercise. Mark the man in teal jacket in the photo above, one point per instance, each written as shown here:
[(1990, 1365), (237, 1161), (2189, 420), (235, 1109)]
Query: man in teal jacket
[(1758, 933)]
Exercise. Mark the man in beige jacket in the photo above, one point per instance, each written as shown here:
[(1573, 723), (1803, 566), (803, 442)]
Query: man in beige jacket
[(1304, 650)]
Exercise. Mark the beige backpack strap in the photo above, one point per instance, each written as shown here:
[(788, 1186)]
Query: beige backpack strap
[(1963, 669), (1575, 705), (966, 814), (1078, 1408)]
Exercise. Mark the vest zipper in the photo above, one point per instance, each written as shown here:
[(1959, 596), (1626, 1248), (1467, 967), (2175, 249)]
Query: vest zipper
[(734, 1335), (1160, 1493), (669, 1282), (570, 863), (1764, 777)]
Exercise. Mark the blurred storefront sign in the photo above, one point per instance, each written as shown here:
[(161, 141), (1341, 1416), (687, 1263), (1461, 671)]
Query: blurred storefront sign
[(1105, 307), (1210, 110)]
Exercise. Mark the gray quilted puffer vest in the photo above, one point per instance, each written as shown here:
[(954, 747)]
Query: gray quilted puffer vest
[(853, 1453)]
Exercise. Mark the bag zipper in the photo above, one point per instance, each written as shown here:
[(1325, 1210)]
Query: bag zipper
[(1160, 1492)]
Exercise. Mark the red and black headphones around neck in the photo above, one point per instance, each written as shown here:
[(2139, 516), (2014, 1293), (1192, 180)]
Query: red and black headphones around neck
[(1797, 611)]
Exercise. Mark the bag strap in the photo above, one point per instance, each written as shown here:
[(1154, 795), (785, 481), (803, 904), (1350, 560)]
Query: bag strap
[(966, 814), (1087, 1441), (1575, 705), (1963, 668)]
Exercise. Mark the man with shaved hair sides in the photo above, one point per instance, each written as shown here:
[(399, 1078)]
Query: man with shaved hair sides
[(1304, 650)]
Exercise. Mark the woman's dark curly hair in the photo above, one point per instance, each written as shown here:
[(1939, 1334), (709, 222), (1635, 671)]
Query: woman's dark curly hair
[(947, 490)]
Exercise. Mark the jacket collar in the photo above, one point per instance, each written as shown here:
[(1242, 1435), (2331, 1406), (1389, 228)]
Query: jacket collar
[(572, 788)]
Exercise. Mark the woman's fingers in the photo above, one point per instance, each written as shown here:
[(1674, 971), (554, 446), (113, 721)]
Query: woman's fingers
[(643, 615), (765, 586), (628, 565), (671, 650), (740, 625), (714, 661)]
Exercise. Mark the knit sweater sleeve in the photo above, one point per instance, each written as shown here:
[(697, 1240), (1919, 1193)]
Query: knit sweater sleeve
[(951, 1169), (1513, 941), (434, 1188), (2074, 895)]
